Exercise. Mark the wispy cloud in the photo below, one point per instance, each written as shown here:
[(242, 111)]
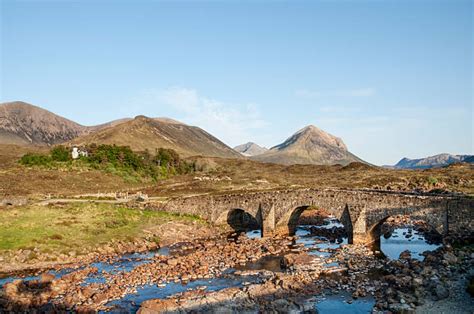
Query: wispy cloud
[(358, 92), (232, 123)]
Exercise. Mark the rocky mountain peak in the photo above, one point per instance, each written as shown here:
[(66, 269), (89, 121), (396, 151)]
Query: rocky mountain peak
[(310, 145), (310, 137), (250, 149)]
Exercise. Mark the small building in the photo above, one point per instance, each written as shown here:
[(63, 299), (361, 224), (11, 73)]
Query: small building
[(78, 152)]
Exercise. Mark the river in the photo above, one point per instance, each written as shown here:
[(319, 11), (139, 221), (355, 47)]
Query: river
[(401, 239)]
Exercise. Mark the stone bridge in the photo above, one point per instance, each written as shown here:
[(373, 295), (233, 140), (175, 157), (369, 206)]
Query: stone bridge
[(361, 211)]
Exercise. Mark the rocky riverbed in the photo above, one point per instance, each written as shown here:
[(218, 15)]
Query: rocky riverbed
[(239, 273)]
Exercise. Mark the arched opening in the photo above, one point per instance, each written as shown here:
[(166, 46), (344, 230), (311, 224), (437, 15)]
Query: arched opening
[(316, 216), (317, 229), (242, 221), (396, 236)]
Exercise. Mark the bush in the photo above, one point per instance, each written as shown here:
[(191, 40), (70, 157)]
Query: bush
[(118, 160), (60, 153), (31, 159)]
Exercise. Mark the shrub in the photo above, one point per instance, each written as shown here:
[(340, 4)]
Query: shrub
[(118, 160), (32, 159), (60, 153), (432, 180)]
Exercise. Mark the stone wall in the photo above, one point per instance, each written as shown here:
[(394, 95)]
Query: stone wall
[(359, 210)]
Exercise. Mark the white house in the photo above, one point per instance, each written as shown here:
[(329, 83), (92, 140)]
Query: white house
[(76, 153)]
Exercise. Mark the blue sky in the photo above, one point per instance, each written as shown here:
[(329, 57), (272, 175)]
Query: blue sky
[(393, 79)]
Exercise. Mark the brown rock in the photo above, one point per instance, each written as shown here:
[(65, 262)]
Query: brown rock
[(46, 278)]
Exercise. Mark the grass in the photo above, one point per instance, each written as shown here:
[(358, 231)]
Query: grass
[(246, 173), (79, 227)]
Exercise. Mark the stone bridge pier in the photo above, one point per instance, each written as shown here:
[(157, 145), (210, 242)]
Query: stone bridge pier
[(362, 212)]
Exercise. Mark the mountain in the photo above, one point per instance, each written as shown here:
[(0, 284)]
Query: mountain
[(151, 133), (25, 124), (432, 161), (22, 123), (91, 129), (309, 145), (250, 149)]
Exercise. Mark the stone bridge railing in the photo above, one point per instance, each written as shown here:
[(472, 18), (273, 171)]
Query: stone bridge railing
[(361, 211)]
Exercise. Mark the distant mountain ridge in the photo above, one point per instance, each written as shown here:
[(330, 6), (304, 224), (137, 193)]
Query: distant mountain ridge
[(439, 160), (25, 124), (310, 145), (250, 149)]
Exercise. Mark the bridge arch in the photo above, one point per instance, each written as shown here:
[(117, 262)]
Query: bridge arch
[(289, 221), (374, 231), (239, 220)]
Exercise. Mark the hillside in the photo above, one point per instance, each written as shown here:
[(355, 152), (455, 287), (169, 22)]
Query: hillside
[(25, 124), (144, 133), (250, 149), (22, 123), (440, 160), (310, 145)]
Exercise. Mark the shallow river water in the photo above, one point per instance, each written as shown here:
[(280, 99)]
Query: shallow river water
[(400, 240)]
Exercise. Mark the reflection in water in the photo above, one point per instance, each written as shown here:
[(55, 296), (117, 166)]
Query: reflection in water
[(405, 239), (338, 304)]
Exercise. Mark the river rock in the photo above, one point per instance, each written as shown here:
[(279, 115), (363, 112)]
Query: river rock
[(293, 259), (450, 258), (441, 292), (46, 278), (405, 255)]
